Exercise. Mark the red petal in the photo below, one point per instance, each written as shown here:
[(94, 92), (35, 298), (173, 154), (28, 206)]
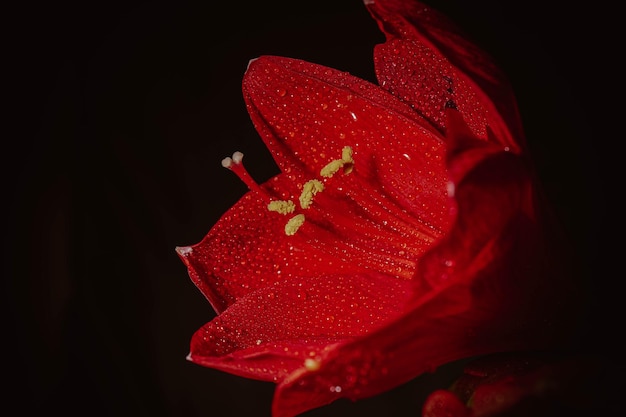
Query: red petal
[(465, 151), (247, 249), (457, 321), (307, 113), (573, 386), (429, 64), (442, 403), (505, 366), (355, 230), (487, 287), (397, 188), (270, 332)]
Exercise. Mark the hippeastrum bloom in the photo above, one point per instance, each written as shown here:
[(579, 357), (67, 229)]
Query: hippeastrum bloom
[(403, 232)]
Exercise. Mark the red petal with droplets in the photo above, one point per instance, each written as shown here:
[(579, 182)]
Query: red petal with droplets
[(490, 285), (259, 252), (306, 114), (428, 63), (351, 226), (269, 333)]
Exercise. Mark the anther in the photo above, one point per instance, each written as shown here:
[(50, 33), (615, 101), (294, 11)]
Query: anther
[(346, 157), (309, 189), (331, 168), (346, 162), (294, 224), (281, 206)]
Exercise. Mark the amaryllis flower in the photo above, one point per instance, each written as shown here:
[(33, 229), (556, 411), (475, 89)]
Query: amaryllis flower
[(403, 232)]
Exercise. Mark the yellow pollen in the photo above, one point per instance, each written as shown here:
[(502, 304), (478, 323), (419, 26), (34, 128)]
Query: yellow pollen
[(346, 155), (294, 224), (312, 364), (332, 167), (310, 188), (282, 207), (346, 162)]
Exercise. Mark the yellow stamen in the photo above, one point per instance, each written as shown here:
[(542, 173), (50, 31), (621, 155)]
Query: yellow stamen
[(332, 167), (282, 207), (310, 188), (294, 224), (346, 155), (346, 162)]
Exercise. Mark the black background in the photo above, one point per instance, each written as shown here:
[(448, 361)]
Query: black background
[(122, 113)]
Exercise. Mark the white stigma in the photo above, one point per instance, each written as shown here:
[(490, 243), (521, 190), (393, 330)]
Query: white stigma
[(227, 162), (237, 157)]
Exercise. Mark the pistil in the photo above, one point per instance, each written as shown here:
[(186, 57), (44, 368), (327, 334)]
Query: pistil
[(235, 164)]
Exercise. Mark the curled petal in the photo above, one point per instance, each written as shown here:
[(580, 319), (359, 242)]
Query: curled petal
[(428, 63), (481, 289)]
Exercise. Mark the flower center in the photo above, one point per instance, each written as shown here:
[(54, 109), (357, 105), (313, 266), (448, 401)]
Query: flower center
[(309, 189)]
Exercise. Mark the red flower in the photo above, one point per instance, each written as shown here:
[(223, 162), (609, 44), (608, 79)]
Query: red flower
[(403, 232)]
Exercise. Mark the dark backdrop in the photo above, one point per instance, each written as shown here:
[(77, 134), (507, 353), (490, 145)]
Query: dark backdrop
[(123, 111)]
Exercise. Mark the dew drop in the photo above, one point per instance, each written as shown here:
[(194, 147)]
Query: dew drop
[(311, 364)]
